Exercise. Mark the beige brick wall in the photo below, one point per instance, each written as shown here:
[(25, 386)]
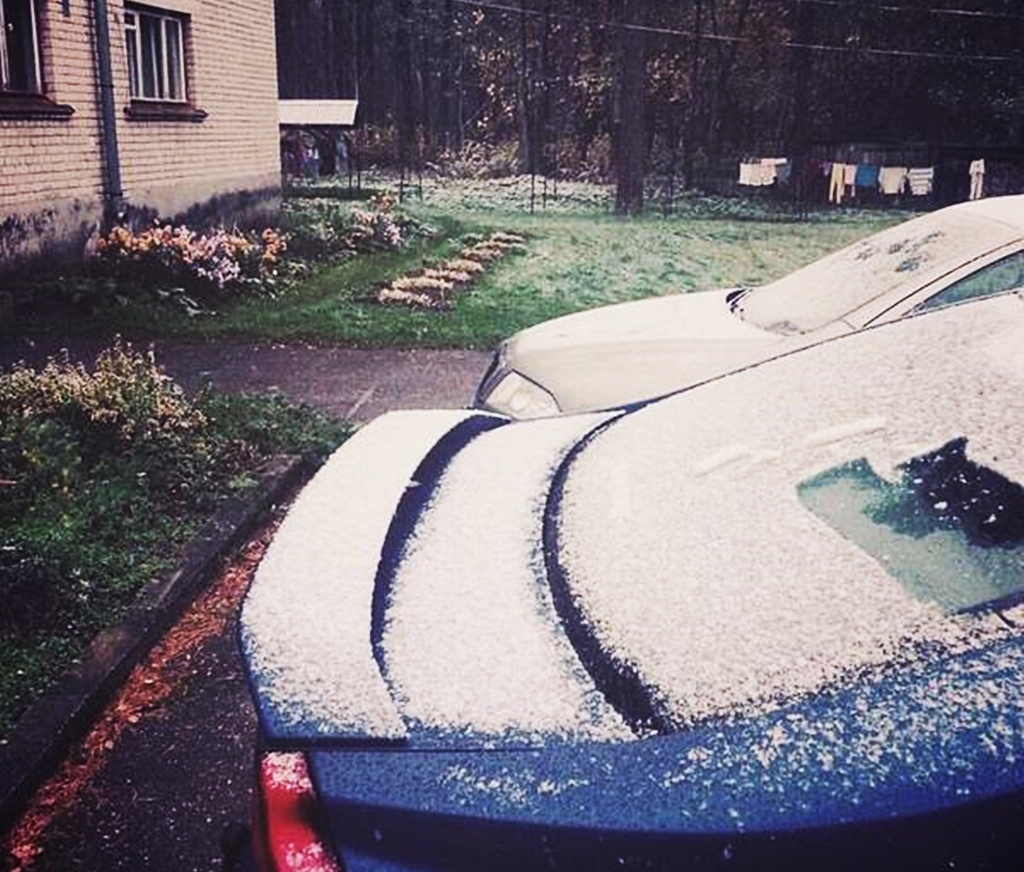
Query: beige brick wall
[(232, 76), (50, 171)]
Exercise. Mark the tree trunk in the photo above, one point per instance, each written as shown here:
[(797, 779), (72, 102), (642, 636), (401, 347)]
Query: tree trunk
[(447, 112), (801, 66), (726, 56), (523, 96), (693, 107), (628, 131), (544, 121), (405, 120)]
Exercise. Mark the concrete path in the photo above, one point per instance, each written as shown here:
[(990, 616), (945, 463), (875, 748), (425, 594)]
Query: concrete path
[(352, 383)]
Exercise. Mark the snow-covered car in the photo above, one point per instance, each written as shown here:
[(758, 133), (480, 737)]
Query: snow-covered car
[(615, 355), (772, 622)]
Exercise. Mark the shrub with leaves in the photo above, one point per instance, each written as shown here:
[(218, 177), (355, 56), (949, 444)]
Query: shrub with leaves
[(478, 160), (103, 471), (374, 230), (201, 264), (326, 229)]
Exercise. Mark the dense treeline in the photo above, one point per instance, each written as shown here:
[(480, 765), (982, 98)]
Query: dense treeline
[(670, 85)]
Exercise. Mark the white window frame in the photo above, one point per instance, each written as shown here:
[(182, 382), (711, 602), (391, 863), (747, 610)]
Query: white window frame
[(161, 50), (34, 73)]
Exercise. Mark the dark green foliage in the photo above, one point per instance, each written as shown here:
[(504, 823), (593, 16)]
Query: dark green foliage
[(268, 425), (720, 79), (103, 475)]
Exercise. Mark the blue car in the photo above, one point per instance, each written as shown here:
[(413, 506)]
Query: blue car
[(774, 621)]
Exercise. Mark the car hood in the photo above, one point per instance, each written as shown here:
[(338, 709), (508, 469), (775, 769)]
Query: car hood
[(704, 314), (617, 354)]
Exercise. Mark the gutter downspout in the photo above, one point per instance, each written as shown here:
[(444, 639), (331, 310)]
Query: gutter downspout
[(113, 195)]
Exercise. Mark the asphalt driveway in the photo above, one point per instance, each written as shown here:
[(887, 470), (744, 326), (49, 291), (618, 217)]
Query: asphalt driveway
[(179, 771)]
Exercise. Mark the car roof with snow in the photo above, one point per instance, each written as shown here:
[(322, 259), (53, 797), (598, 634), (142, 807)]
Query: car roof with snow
[(895, 261)]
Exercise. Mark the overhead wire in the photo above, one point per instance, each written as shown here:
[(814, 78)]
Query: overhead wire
[(930, 10), (820, 47)]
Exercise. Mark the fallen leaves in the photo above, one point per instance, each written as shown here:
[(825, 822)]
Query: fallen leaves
[(434, 287)]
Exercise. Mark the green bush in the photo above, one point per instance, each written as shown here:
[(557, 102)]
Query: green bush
[(64, 420), (103, 475), (326, 229)]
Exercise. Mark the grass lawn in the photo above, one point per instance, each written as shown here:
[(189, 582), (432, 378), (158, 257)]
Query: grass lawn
[(572, 262)]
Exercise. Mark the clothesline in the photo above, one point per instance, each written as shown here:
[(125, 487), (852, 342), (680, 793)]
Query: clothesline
[(844, 178)]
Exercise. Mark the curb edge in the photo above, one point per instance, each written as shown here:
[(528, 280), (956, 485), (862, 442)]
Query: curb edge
[(40, 740)]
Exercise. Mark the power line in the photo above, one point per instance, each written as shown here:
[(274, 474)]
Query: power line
[(714, 37), (931, 10)]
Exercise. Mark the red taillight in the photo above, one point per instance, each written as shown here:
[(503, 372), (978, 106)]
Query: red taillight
[(285, 837)]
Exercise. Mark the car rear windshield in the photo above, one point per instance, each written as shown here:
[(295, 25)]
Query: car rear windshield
[(905, 257), (950, 530)]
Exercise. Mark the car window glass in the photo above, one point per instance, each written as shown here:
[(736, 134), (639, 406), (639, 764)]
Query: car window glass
[(1003, 275), (898, 260), (949, 529)]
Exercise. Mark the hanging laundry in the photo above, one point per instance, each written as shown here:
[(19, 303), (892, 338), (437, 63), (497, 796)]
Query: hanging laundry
[(766, 171), (849, 174), (761, 172), (920, 180), (892, 180), (836, 183), (977, 173), (753, 173), (773, 167), (866, 176)]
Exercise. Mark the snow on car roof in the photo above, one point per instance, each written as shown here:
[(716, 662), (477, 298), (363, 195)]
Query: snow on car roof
[(906, 256), (472, 643), (697, 566), (1009, 210)]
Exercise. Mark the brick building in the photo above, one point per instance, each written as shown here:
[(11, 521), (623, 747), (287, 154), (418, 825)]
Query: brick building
[(115, 110)]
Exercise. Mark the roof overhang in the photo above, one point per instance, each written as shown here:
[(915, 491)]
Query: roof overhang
[(317, 113)]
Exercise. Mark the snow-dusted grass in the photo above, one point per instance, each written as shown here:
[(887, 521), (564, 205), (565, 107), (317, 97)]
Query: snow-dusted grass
[(577, 256)]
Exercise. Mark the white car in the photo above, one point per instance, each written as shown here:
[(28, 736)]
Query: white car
[(617, 355)]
